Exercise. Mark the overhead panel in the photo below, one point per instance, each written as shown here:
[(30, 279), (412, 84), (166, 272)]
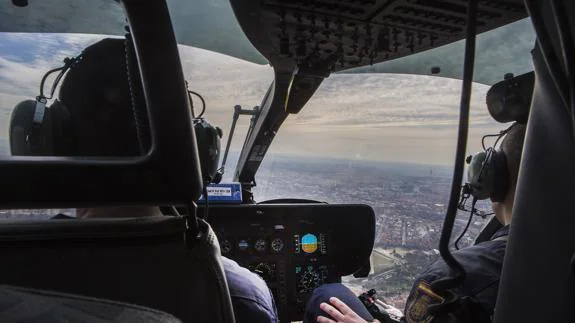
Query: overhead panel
[(334, 35), (339, 34), (498, 52), (310, 39)]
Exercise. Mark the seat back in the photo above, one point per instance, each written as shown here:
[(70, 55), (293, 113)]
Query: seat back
[(30, 305), (537, 281), (143, 261)]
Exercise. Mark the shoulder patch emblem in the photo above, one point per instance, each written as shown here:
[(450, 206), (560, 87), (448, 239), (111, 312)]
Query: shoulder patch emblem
[(416, 311)]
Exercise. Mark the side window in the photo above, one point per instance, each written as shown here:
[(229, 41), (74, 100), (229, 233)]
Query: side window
[(26, 57)]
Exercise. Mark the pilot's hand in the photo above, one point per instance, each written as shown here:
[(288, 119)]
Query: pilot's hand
[(340, 312)]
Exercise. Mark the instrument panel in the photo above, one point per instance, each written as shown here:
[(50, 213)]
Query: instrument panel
[(295, 247)]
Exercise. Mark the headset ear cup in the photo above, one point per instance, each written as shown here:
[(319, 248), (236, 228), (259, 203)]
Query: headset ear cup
[(480, 175), (21, 129), (501, 177)]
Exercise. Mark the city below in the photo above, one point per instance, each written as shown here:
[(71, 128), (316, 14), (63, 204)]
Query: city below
[(409, 200)]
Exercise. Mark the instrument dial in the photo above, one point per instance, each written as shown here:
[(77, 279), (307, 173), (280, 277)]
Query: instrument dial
[(260, 245), (266, 270), (243, 245), (226, 246), (309, 280), (277, 245)]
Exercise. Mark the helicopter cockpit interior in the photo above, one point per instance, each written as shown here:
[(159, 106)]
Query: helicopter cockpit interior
[(340, 173)]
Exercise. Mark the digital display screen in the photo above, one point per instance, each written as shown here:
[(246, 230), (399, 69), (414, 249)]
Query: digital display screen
[(310, 244)]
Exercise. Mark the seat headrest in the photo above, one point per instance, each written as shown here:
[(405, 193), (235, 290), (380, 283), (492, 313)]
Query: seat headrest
[(510, 99)]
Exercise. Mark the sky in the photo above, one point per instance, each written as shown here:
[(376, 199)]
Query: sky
[(383, 117)]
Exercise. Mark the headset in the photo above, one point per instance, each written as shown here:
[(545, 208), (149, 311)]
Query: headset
[(40, 130), (487, 172), (487, 177), (208, 138), (37, 129)]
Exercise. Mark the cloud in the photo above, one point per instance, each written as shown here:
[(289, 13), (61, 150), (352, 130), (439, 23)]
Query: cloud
[(44, 51), (405, 118), (224, 81), (381, 100), (389, 117)]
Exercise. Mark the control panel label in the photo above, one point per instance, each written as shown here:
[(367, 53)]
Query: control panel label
[(224, 193), (219, 191)]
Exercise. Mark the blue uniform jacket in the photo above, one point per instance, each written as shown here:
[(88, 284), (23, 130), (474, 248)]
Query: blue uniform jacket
[(482, 263), (252, 300)]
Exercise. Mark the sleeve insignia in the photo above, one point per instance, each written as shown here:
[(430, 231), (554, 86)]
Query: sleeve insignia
[(416, 311)]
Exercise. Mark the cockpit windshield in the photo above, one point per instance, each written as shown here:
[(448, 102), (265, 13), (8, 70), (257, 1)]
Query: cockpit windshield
[(385, 140)]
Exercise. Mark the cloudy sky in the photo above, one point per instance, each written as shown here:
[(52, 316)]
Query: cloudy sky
[(387, 117)]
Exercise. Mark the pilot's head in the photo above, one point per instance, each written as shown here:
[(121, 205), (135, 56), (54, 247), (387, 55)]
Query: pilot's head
[(512, 147), (95, 114), (104, 96), (98, 96), (102, 111)]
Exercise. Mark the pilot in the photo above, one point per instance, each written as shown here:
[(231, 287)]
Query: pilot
[(482, 263), (97, 94)]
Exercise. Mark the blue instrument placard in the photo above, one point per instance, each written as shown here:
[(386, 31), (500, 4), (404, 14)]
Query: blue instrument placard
[(230, 193)]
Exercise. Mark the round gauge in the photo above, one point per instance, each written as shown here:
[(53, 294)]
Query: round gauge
[(277, 245), (309, 280), (260, 245), (226, 246), (243, 245)]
